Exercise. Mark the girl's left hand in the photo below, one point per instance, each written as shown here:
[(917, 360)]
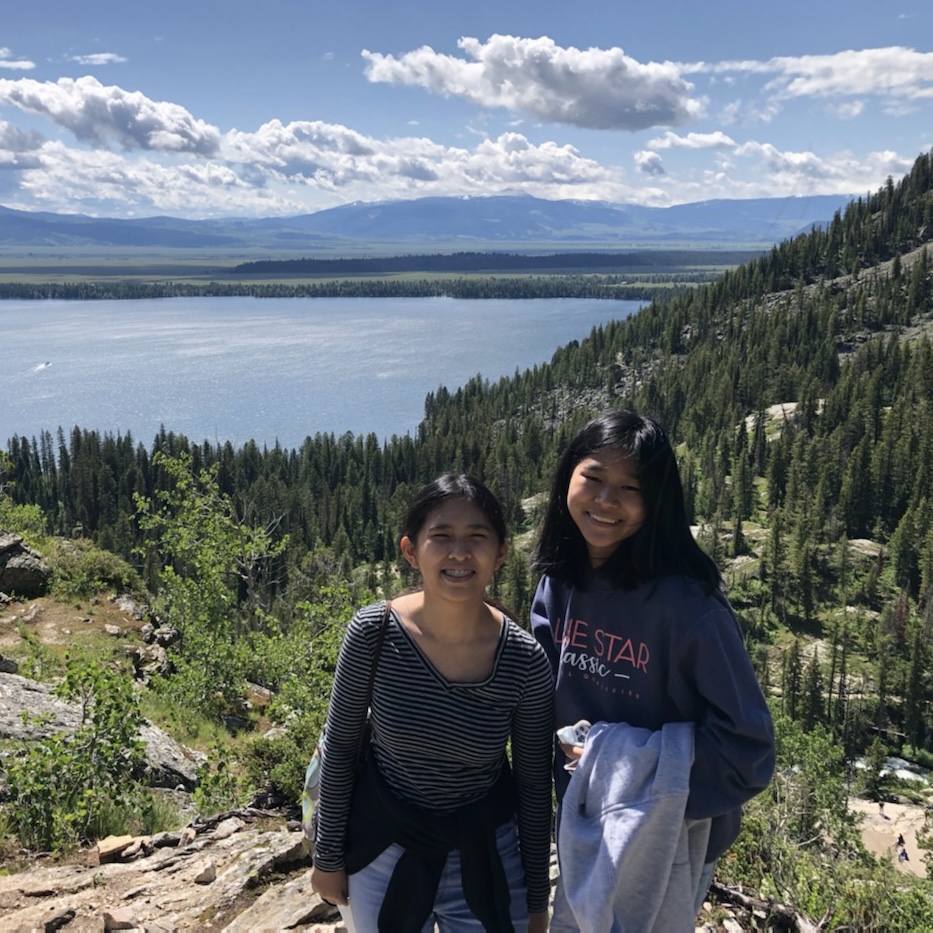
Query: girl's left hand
[(537, 922)]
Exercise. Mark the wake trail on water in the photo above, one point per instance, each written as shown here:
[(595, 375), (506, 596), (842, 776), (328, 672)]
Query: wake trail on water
[(26, 372)]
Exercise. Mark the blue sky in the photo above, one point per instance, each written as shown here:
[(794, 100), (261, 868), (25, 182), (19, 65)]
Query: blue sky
[(211, 108)]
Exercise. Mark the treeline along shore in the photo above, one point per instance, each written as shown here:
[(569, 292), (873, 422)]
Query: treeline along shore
[(647, 261), (638, 276), (475, 287)]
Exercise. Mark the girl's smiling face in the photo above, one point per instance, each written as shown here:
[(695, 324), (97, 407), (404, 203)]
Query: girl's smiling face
[(457, 551), (605, 501)]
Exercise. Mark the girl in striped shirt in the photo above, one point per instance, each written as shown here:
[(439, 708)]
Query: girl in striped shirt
[(437, 825)]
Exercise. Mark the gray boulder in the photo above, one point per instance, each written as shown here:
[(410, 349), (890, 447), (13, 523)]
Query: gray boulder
[(150, 660), (22, 569), (132, 607)]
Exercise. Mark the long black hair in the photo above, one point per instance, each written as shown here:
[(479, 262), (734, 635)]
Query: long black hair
[(663, 546)]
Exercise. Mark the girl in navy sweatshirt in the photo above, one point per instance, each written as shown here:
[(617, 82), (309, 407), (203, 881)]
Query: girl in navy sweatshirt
[(631, 613)]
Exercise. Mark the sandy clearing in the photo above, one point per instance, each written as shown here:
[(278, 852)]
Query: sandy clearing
[(881, 829)]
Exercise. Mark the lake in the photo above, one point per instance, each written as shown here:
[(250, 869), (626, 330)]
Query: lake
[(269, 369)]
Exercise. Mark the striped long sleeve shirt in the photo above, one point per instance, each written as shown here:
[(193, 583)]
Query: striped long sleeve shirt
[(439, 744)]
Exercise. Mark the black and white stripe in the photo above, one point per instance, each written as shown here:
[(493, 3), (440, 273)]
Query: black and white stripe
[(439, 744)]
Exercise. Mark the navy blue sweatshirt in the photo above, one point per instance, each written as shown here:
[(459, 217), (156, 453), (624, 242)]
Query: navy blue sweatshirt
[(662, 652)]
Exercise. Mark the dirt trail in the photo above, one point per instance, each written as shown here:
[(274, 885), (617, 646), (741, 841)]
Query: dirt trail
[(881, 829)]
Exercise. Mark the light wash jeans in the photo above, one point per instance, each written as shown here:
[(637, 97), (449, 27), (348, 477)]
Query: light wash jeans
[(451, 913), (563, 921), (706, 879)]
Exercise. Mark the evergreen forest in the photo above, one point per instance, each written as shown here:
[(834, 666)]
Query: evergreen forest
[(798, 388)]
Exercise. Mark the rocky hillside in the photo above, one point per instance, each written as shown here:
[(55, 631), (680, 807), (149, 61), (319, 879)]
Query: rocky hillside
[(246, 871)]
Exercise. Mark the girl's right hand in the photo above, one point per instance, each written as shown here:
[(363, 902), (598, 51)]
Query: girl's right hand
[(571, 740), (331, 885), (573, 752)]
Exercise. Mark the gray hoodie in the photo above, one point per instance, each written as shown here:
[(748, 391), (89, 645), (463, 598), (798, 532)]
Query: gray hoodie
[(629, 860)]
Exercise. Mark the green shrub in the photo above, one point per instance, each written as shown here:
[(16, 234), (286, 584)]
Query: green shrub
[(112, 818), (28, 521), (800, 845), (921, 756), (207, 554), (185, 722), (68, 788), (6, 828), (80, 570), (279, 763), (219, 786), (35, 659), (159, 813)]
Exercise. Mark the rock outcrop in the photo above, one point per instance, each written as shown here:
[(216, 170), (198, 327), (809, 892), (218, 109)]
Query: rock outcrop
[(152, 658), (244, 871), (168, 763), (221, 874), (23, 572)]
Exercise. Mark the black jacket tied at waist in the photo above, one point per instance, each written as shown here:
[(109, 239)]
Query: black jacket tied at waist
[(378, 819)]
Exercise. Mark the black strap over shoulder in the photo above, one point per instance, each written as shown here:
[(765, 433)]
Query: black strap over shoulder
[(377, 654)]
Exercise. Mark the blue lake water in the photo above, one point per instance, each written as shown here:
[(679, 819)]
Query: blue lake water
[(264, 369)]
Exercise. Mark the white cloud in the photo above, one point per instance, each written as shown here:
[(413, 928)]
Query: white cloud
[(99, 58), (171, 162), (731, 112), (292, 168), (17, 140), (107, 183), (893, 71), (295, 167), (18, 148), (14, 64), (762, 170), (743, 66), (333, 157), (848, 110), (592, 88), (102, 115), (669, 140), (899, 108), (806, 172)]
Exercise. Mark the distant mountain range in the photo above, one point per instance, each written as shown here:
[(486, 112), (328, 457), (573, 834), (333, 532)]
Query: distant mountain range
[(467, 222)]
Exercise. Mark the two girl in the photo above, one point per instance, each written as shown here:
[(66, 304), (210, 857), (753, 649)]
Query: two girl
[(644, 646), (437, 826)]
